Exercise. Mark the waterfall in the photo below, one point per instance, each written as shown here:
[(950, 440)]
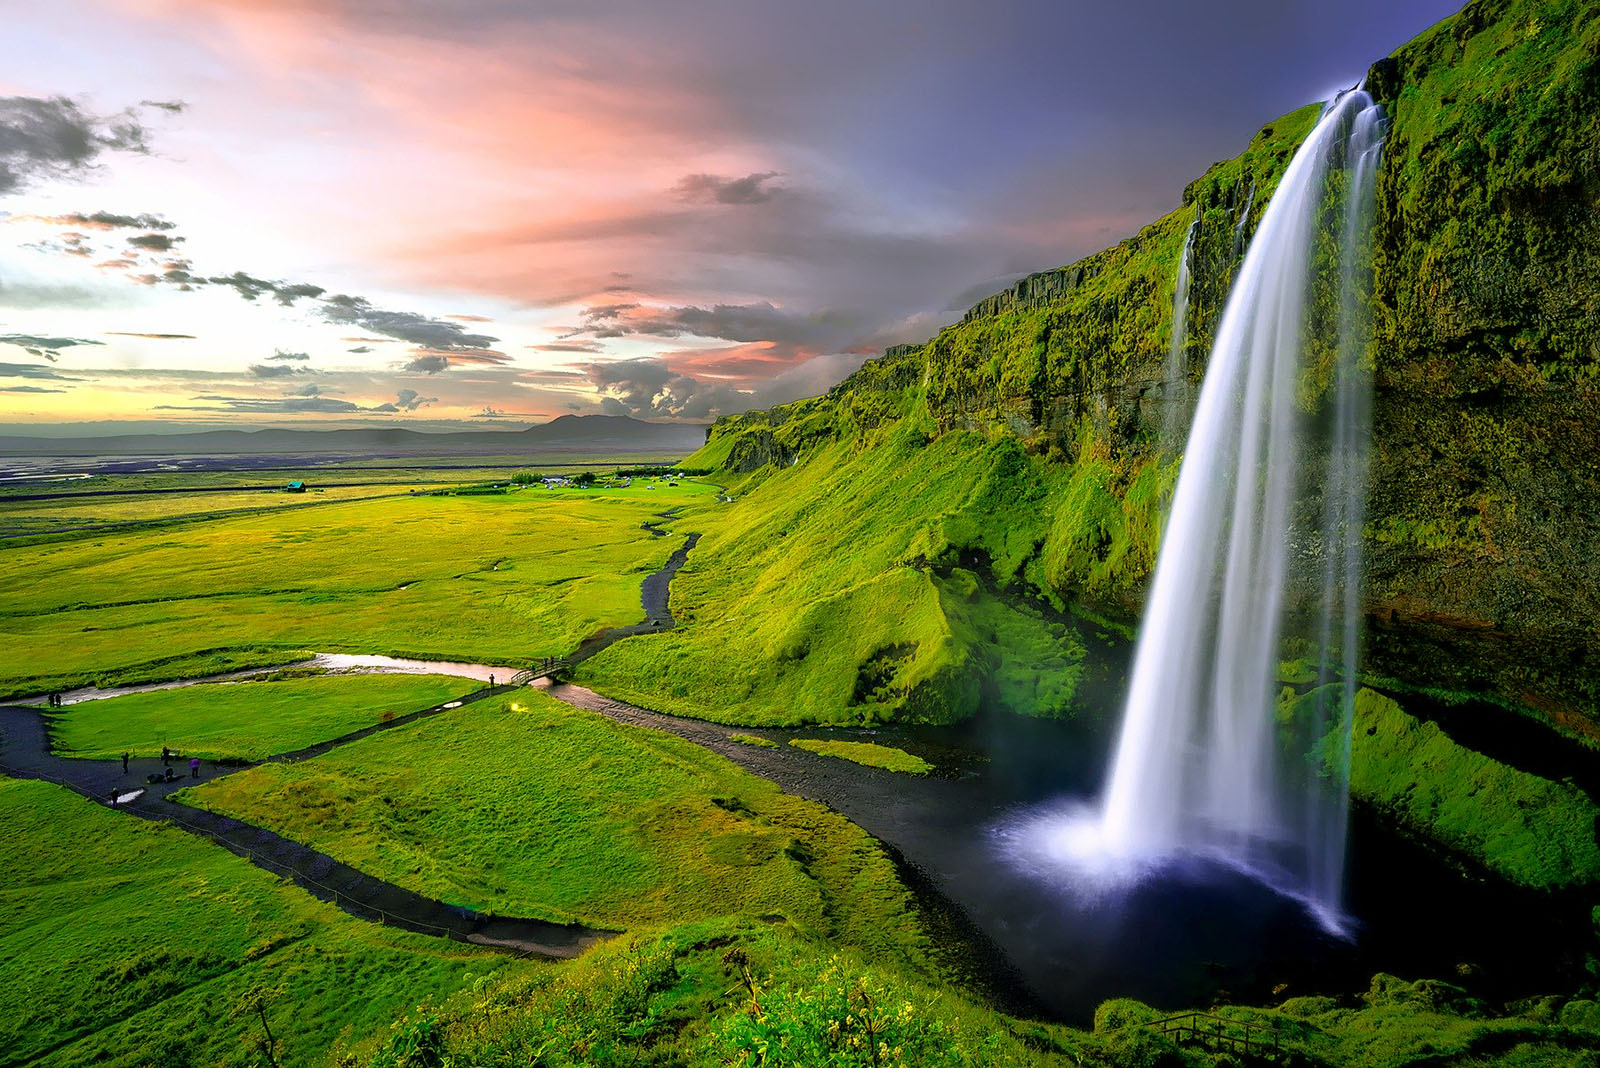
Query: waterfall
[(1176, 391), (1197, 765), (1244, 218)]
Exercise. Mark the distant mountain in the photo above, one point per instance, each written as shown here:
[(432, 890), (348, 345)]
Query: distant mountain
[(567, 433)]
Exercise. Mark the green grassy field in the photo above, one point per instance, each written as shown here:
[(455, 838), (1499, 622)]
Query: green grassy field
[(783, 605), (869, 753), (48, 517), (553, 812), (126, 943), (483, 578), (249, 720)]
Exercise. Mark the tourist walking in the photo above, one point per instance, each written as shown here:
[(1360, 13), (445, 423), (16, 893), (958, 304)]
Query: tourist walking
[(124, 763), (166, 755), (194, 767)]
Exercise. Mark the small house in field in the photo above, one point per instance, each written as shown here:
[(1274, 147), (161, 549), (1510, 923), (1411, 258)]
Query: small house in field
[(295, 487)]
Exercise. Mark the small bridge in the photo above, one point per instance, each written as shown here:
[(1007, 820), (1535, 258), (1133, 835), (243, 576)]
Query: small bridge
[(1218, 1034), (549, 667)]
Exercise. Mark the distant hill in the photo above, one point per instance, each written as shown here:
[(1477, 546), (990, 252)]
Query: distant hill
[(567, 433)]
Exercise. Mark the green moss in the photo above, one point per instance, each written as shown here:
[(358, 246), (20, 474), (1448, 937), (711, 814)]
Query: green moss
[(869, 753), (1529, 830), (754, 739)]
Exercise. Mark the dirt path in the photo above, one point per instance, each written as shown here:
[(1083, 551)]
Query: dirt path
[(26, 754)]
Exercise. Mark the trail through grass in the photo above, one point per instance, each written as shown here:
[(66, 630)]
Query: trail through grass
[(527, 806), (127, 943)]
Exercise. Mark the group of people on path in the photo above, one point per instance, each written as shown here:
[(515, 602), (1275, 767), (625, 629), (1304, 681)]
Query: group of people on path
[(167, 757)]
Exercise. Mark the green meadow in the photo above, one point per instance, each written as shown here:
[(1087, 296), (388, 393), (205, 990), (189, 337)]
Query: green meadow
[(493, 578), (248, 720), (145, 949), (782, 607), (526, 806), (19, 518)]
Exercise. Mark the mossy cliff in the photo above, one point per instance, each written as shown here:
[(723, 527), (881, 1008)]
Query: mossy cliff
[(1029, 430)]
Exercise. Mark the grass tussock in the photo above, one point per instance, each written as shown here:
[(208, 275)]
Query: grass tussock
[(871, 754)]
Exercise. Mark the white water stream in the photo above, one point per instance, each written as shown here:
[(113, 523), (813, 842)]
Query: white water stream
[(1203, 763)]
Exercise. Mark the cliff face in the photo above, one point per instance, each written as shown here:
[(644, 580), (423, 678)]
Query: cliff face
[(1483, 532)]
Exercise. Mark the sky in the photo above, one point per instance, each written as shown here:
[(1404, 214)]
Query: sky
[(496, 212)]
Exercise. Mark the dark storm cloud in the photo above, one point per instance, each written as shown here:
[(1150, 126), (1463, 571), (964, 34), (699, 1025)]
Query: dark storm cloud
[(47, 347), (402, 326), (751, 189), (42, 138), (407, 400), (589, 347), (105, 220), (154, 242), (275, 370), (729, 322), (32, 370), (648, 388), (250, 287), (428, 364)]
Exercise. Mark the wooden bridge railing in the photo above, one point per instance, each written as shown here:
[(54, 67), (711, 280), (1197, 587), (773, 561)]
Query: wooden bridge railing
[(1218, 1034), (543, 669)]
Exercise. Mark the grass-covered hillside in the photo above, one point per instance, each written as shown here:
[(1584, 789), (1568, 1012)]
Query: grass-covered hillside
[(1021, 443)]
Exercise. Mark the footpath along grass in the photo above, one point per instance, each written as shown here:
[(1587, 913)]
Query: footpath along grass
[(871, 754), (485, 578), (248, 720), (527, 806), (127, 943)]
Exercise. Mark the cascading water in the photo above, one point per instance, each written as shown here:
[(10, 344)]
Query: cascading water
[(1176, 382), (1197, 766), (1244, 218)]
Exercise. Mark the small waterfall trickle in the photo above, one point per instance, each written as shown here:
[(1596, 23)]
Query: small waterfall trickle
[(1175, 393), (1201, 763), (1244, 219)]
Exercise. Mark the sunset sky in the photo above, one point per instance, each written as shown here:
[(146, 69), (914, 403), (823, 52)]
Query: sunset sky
[(488, 212)]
